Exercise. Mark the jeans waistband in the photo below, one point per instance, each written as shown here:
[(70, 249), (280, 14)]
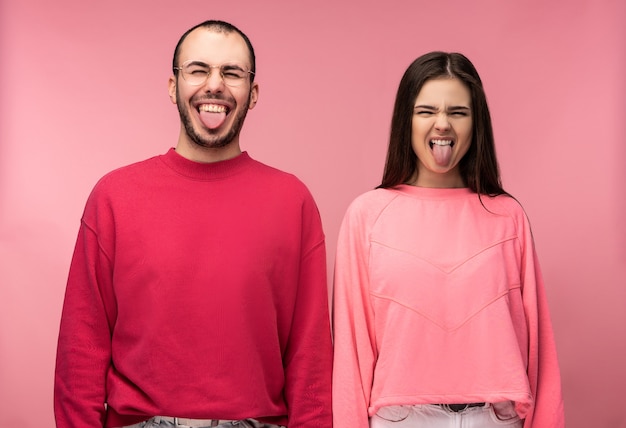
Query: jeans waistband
[(460, 407), (195, 423)]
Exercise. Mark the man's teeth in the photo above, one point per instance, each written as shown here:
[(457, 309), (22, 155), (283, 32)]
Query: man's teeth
[(212, 108), (441, 142)]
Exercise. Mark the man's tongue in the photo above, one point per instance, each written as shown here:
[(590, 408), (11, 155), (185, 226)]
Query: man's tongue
[(212, 120), (442, 154)]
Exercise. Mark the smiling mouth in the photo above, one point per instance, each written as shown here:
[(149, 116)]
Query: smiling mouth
[(433, 143), (212, 108)]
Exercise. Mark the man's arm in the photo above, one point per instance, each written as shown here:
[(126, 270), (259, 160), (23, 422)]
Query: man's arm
[(308, 358), (84, 347)]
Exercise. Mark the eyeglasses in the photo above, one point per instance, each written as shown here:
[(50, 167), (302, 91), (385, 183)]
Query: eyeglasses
[(196, 73)]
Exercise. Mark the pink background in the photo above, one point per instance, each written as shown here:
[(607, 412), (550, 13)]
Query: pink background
[(83, 91)]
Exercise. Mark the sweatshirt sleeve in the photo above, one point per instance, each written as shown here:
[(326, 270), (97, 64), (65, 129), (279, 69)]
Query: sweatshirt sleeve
[(543, 368), (84, 344), (355, 348), (308, 358)]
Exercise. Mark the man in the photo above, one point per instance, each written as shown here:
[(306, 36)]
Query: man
[(197, 291)]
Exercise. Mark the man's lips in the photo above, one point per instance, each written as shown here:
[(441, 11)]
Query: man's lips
[(213, 108)]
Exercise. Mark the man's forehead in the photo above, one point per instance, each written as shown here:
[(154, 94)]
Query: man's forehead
[(205, 43)]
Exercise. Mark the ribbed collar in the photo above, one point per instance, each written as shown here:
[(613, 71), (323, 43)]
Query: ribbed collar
[(206, 171), (433, 192)]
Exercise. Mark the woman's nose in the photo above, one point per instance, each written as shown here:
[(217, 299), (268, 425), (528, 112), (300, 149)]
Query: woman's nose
[(442, 122)]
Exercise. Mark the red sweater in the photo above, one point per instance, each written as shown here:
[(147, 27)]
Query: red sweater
[(197, 291)]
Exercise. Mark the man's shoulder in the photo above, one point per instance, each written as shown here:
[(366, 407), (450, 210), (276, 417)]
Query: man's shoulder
[(277, 176), (128, 174), (123, 179), (271, 170), (132, 169)]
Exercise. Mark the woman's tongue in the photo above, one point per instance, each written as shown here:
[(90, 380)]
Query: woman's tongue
[(442, 154), (212, 119)]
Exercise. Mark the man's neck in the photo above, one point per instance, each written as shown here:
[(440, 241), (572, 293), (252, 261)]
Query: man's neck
[(197, 153)]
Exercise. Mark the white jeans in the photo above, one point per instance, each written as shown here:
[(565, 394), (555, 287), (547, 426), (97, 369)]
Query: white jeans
[(436, 416)]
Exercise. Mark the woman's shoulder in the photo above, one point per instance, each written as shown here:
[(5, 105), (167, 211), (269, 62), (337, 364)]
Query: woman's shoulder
[(506, 205), (505, 202), (372, 200), (367, 207)]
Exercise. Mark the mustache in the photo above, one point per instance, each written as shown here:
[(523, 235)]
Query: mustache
[(213, 97)]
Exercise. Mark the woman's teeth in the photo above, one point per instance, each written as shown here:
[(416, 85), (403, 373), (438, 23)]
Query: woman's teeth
[(441, 142)]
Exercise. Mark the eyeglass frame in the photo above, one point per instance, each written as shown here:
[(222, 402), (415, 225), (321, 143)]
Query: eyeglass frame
[(208, 73)]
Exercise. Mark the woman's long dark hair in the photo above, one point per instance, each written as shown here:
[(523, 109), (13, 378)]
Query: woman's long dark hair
[(479, 167)]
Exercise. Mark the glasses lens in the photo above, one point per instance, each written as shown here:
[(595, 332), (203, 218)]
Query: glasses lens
[(196, 73), (233, 75)]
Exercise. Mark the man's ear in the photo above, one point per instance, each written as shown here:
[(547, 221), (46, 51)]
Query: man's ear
[(171, 87), (254, 95)]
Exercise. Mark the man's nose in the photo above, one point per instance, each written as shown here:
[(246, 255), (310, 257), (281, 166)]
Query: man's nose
[(214, 81)]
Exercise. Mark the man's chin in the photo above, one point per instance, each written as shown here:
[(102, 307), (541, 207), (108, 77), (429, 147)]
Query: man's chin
[(214, 140), (213, 144)]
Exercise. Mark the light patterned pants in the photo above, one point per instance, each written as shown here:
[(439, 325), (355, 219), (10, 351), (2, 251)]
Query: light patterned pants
[(160, 422), (438, 416)]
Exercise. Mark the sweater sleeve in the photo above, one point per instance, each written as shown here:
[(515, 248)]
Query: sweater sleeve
[(308, 357), (84, 345), (355, 348), (543, 368)]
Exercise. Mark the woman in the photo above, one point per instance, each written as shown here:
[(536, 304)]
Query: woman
[(440, 314)]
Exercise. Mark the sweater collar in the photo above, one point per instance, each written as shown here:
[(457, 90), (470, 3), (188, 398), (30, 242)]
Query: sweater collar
[(433, 192), (206, 171)]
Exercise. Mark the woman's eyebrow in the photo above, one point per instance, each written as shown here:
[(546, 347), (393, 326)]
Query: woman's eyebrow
[(451, 108)]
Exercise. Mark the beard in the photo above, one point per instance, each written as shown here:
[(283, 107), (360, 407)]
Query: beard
[(213, 140)]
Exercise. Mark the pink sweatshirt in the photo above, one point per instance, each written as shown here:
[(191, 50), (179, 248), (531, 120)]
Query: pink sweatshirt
[(439, 299), (196, 291)]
